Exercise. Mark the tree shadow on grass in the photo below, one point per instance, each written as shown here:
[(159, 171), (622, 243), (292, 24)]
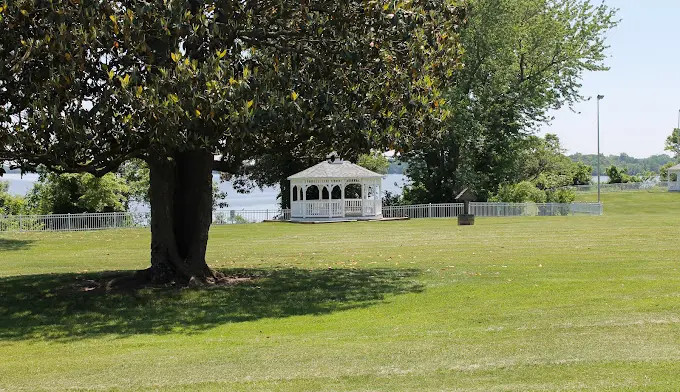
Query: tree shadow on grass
[(12, 244), (69, 306)]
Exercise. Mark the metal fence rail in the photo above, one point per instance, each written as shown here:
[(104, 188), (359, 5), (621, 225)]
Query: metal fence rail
[(627, 187), (74, 222), (444, 210), (120, 220), (535, 209), (227, 217)]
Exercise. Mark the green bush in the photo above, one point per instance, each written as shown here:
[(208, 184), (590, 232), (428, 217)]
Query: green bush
[(619, 176), (560, 195), (10, 204), (522, 192)]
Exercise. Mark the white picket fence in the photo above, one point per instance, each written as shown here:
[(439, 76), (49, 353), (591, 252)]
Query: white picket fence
[(119, 220), (74, 222), (535, 209), (445, 210)]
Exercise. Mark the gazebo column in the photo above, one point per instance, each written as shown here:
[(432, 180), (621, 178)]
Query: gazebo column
[(329, 188), (342, 197), (377, 199), (303, 202), (364, 193)]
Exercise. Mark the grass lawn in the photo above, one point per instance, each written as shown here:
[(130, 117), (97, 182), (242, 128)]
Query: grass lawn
[(510, 304)]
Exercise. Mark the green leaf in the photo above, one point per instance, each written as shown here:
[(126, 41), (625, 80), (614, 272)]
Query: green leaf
[(221, 54), (173, 98), (249, 103), (294, 96), (175, 56), (124, 81)]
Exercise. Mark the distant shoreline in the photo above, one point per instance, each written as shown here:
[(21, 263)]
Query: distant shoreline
[(265, 199)]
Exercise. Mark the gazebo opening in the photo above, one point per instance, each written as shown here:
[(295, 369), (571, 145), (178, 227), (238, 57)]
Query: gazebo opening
[(353, 191), (335, 190), (312, 193)]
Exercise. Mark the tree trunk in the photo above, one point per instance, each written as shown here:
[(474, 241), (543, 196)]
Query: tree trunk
[(284, 186), (181, 214)]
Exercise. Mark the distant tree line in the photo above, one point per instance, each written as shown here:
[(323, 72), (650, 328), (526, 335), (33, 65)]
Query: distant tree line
[(631, 165)]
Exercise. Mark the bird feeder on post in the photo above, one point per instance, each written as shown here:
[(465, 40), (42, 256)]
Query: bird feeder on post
[(466, 218)]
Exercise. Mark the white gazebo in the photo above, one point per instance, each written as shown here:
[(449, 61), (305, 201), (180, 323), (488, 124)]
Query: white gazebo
[(335, 190), (674, 186)]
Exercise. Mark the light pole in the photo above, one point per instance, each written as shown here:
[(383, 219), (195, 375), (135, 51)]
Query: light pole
[(599, 97)]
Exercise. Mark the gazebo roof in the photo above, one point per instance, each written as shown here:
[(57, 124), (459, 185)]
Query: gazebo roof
[(335, 168), (674, 168)]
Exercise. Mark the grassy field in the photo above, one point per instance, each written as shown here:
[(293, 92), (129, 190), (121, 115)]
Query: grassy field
[(510, 304)]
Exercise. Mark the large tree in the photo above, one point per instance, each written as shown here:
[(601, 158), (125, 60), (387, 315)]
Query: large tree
[(87, 86), (673, 143), (522, 58)]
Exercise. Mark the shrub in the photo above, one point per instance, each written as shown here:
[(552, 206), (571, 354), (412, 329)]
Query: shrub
[(522, 192)]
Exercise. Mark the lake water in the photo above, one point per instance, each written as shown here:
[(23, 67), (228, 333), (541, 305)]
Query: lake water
[(264, 199)]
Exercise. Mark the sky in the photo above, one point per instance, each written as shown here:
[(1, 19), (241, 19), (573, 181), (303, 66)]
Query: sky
[(641, 90)]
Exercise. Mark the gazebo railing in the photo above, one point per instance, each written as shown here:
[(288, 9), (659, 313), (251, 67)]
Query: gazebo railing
[(444, 210), (674, 186), (353, 207), (334, 208), (321, 208)]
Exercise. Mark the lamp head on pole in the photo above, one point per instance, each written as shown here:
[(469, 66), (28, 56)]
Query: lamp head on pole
[(599, 97)]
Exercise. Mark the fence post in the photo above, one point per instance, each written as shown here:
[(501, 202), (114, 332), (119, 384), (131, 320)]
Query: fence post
[(429, 210), (267, 211), (68, 222), (20, 221)]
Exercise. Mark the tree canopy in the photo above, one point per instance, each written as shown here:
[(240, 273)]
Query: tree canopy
[(124, 79), (374, 161)]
